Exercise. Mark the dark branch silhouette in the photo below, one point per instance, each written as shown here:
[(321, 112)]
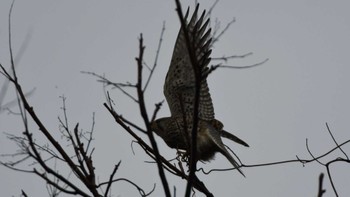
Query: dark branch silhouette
[(80, 163), (146, 119), (39, 156), (321, 191)]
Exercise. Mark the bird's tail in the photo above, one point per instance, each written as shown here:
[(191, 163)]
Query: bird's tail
[(234, 138), (232, 160)]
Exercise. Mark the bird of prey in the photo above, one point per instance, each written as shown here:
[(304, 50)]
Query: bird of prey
[(179, 90)]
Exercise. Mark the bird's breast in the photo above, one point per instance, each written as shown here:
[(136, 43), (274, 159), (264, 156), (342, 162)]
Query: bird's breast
[(206, 149)]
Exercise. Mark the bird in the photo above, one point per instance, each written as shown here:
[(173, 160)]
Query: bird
[(179, 90)]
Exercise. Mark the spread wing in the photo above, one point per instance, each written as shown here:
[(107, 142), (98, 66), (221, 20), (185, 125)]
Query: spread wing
[(179, 87)]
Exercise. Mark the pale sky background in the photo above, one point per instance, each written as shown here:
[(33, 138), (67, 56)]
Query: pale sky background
[(274, 107)]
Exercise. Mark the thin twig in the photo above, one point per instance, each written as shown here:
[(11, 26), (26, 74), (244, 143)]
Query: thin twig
[(214, 67), (216, 38), (211, 9), (17, 59), (10, 43), (331, 180), (158, 106), (226, 58), (54, 184), (156, 58), (141, 191), (109, 184), (119, 86), (90, 133), (335, 141), (132, 124), (309, 151)]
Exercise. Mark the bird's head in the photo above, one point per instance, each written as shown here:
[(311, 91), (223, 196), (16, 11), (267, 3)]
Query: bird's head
[(160, 125)]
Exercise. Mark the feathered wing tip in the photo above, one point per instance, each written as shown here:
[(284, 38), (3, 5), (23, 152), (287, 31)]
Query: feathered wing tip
[(193, 19), (234, 138), (230, 158), (187, 12), (200, 38), (180, 73), (194, 16)]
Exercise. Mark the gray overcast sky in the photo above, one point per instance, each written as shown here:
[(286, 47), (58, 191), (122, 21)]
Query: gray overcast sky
[(274, 107)]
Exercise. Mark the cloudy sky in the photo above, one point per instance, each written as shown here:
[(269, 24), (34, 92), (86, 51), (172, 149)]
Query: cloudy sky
[(274, 107)]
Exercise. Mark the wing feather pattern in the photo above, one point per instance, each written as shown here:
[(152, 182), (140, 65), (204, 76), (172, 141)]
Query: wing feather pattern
[(179, 87)]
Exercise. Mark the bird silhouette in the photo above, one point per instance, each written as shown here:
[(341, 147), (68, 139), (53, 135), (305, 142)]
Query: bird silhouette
[(179, 90)]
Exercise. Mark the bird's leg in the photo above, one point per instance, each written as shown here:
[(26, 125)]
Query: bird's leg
[(182, 155)]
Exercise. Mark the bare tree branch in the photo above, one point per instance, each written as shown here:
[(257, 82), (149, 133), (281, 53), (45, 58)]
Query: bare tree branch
[(109, 184), (146, 119), (82, 168), (119, 86)]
